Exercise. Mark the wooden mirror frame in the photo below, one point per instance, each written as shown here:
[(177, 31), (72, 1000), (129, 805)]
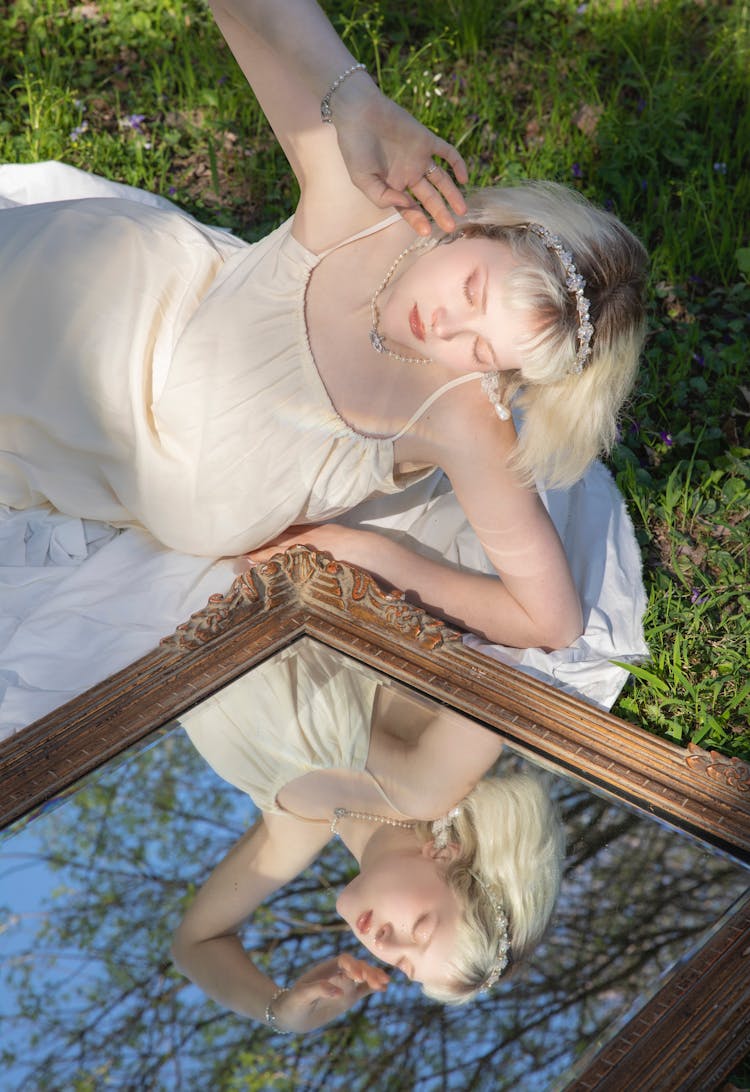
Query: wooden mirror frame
[(697, 1026)]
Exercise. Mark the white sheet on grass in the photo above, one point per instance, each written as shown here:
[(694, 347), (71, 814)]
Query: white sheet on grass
[(78, 600)]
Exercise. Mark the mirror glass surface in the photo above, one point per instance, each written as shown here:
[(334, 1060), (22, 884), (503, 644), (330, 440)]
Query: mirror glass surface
[(93, 886)]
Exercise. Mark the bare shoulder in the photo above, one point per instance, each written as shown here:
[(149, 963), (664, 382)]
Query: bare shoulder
[(297, 840), (467, 432), (325, 217), (276, 848)]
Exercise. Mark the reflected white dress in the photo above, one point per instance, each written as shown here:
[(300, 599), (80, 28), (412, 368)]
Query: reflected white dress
[(305, 710)]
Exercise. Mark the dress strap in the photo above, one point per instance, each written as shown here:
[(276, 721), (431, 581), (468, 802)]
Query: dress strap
[(433, 398), (372, 230)]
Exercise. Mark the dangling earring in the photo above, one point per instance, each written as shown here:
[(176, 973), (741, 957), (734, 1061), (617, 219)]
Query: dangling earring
[(441, 827), (491, 387)]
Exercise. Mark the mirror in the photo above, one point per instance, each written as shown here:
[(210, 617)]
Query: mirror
[(645, 940)]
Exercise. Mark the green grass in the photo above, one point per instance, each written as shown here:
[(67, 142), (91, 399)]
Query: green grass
[(643, 106)]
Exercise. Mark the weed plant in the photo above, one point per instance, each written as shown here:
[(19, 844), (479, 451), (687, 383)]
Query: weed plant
[(641, 105)]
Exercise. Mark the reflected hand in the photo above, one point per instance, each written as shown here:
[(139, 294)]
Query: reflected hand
[(326, 991), (388, 152)]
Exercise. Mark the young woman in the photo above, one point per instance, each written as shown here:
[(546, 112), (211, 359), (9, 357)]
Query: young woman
[(457, 876), (229, 397)]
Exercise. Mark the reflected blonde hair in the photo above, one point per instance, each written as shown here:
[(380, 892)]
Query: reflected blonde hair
[(509, 836), (568, 419)]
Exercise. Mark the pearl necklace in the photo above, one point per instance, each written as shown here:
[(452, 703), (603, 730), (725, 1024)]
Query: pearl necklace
[(368, 817), (376, 338)]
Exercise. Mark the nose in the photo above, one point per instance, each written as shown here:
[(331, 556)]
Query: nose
[(448, 325), (387, 939)]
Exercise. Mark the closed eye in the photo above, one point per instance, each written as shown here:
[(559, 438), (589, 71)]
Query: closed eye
[(422, 933), (469, 288), (483, 353), (406, 968)]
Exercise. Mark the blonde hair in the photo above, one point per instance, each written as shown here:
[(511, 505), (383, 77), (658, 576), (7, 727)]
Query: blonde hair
[(510, 841), (568, 418)]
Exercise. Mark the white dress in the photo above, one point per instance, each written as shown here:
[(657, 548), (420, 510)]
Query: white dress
[(65, 622), (305, 710), (157, 372)]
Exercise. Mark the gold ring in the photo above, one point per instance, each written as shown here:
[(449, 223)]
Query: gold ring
[(429, 170)]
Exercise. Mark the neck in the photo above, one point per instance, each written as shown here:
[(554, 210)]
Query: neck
[(367, 840)]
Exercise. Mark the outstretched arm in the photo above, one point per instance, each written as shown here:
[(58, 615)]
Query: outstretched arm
[(292, 56), (208, 950)]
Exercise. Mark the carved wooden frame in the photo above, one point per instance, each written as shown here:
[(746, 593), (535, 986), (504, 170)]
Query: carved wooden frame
[(697, 1027)]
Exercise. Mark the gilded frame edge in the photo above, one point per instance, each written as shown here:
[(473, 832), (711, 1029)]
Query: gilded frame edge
[(697, 1026)]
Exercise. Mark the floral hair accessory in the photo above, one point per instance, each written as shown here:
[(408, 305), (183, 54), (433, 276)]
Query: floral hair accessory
[(575, 284)]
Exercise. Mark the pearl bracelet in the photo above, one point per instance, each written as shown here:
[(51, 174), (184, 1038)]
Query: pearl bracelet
[(270, 1016), (326, 114)]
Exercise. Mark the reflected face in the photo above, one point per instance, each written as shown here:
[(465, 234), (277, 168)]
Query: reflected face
[(403, 911), (451, 305)]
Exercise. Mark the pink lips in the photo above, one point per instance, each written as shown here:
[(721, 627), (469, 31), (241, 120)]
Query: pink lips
[(364, 921), (416, 324)]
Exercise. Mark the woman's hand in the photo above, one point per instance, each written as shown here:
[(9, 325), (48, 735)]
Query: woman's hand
[(388, 152), (345, 543), (326, 991)]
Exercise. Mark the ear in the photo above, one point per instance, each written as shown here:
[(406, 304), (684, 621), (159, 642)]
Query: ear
[(445, 853)]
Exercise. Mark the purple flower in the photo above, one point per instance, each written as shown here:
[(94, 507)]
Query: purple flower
[(720, 168), (696, 597), (576, 171), (666, 438), (79, 131), (222, 80), (635, 428), (172, 191), (644, 185), (134, 121), (609, 204), (699, 359), (640, 105)]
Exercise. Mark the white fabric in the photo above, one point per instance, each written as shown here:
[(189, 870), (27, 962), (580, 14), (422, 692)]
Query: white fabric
[(79, 600), (604, 557), (106, 300), (301, 711)]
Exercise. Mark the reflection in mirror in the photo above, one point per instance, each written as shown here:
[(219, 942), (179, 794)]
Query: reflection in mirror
[(444, 856), (93, 891)]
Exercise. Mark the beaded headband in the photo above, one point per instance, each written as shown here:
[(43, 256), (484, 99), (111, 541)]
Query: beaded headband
[(502, 959), (575, 284), (440, 831)]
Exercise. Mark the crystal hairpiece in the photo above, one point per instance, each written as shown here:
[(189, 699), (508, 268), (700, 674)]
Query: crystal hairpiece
[(575, 284), (502, 959)]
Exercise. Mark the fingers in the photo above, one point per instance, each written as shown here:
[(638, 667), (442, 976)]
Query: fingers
[(433, 193), (458, 166), (374, 978), (436, 188)]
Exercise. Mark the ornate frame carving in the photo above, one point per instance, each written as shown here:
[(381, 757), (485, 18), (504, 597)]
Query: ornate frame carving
[(697, 1026)]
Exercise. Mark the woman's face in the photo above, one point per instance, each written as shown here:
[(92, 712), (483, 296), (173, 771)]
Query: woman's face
[(403, 911), (451, 306)]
